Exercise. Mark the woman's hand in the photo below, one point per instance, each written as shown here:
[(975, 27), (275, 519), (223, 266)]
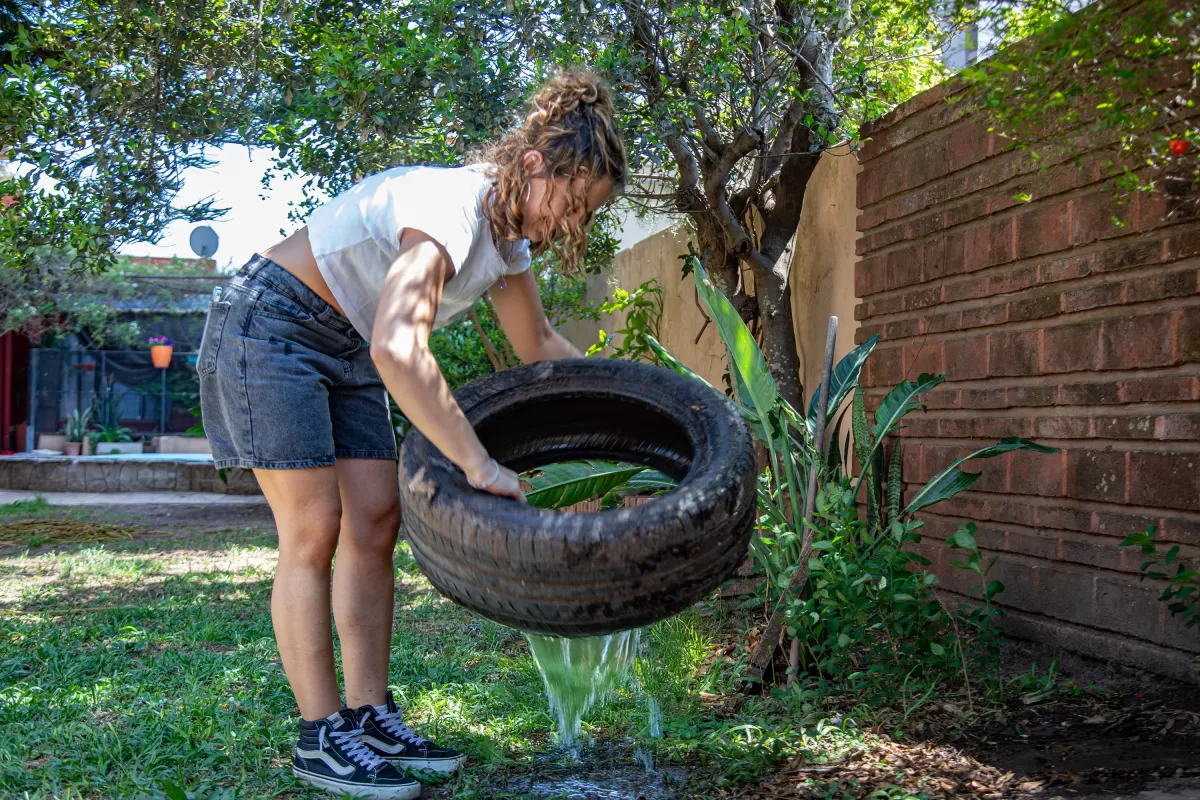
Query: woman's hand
[(498, 480)]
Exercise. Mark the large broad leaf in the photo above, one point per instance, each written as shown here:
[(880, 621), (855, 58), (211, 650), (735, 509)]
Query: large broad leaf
[(671, 362), (952, 480), (841, 382), (561, 485), (900, 401), (650, 479), (748, 363)]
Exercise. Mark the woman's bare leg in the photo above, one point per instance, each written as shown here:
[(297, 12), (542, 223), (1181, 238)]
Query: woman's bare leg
[(307, 509), (364, 578)]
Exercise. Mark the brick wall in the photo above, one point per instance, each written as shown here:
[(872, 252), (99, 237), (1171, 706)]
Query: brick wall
[(1050, 321)]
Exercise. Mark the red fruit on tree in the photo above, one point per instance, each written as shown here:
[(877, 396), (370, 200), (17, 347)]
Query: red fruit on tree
[(1178, 146)]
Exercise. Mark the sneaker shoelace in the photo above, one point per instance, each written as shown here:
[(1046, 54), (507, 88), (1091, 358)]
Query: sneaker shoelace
[(350, 742), (393, 723)]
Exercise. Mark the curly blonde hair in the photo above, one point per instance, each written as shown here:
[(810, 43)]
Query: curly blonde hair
[(570, 122)]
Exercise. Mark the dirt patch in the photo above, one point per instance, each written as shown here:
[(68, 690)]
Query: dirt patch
[(204, 519), (1102, 744), (1091, 730), (33, 532)]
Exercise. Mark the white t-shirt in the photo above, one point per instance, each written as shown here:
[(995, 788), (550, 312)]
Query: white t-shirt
[(355, 238)]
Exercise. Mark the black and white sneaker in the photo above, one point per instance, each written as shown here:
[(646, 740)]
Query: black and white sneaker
[(385, 733), (331, 756)]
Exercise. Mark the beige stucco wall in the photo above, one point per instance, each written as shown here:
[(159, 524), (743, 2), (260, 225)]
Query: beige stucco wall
[(822, 280), (823, 267)]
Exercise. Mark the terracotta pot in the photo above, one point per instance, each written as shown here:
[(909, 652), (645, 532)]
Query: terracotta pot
[(72, 448), (160, 354)]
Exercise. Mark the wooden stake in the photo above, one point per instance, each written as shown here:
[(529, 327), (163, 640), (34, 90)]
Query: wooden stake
[(764, 653)]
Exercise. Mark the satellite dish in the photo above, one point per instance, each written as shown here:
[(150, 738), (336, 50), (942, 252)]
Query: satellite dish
[(204, 241)]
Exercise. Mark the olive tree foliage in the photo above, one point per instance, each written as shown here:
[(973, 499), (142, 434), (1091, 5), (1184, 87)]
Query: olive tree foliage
[(366, 86), (104, 104), (728, 107), (360, 87)]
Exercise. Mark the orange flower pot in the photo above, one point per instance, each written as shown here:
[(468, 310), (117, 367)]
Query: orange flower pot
[(160, 355)]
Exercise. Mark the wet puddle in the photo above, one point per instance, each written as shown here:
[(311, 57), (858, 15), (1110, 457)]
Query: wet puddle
[(577, 674), (604, 771)]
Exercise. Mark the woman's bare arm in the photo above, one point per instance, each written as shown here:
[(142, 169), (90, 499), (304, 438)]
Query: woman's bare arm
[(400, 350), (519, 307)]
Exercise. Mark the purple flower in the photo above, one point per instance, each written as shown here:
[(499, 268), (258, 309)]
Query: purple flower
[(160, 340)]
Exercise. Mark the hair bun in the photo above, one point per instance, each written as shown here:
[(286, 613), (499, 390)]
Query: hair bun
[(566, 92)]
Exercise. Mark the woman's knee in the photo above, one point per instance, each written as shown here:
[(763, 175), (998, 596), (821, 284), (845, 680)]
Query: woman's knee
[(310, 540), (371, 525)]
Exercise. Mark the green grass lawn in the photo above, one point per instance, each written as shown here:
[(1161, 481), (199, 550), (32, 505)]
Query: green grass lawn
[(129, 668)]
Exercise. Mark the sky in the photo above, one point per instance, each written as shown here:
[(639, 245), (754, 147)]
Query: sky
[(258, 218), (255, 217)]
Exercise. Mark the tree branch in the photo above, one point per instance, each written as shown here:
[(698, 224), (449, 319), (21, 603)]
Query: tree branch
[(494, 357), (688, 195), (783, 137)]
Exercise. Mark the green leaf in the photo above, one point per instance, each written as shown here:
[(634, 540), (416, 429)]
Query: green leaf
[(937, 649), (841, 383), (964, 537), (900, 401), (833, 460), (173, 792), (671, 362), (843, 640), (952, 480), (862, 430), (874, 497), (650, 479), (1041, 694), (560, 485), (1143, 539), (895, 483), (993, 588), (748, 362)]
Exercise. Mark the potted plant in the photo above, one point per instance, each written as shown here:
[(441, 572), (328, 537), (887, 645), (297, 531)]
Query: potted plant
[(110, 437), (77, 425), (114, 440), (160, 351)]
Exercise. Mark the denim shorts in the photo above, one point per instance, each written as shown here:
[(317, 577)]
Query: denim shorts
[(285, 380)]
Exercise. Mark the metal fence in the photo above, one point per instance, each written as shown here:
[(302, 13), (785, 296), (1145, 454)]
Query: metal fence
[(145, 399)]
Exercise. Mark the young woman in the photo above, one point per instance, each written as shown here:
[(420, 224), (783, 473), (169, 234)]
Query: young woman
[(291, 389)]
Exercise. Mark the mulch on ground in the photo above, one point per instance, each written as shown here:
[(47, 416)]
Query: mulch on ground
[(38, 532), (1095, 745)]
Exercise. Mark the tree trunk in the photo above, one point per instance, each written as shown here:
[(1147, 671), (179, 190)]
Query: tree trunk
[(779, 335), (723, 269)]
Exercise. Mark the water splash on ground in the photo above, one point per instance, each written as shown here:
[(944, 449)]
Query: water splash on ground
[(605, 771), (579, 672), (655, 718)]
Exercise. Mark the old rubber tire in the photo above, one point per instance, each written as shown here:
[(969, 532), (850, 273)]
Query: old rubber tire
[(578, 573)]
